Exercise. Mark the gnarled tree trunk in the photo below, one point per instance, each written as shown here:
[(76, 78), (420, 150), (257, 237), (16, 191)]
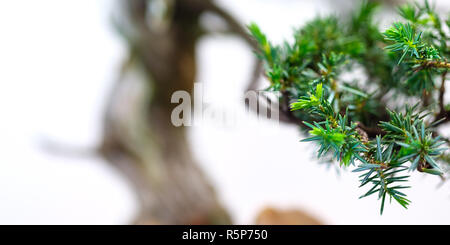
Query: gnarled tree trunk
[(139, 138)]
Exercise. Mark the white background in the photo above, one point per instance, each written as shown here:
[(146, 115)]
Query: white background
[(58, 60)]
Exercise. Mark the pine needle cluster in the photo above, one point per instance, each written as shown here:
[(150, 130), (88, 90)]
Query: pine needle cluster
[(371, 100)]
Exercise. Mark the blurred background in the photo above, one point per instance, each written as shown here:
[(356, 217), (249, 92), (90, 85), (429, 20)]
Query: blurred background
[(85, 133)]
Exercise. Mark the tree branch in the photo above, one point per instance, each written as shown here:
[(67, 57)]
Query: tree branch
[(435, 64), (442, 93)]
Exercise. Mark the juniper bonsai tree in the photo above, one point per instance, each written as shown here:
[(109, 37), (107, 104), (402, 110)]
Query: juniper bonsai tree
[(372, 100)]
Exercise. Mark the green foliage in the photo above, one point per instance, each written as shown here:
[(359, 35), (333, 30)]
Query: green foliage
[(349, 114), (312, 101), (418, 144), (422, 43), (382, 173), (409, 42), (382, 181)]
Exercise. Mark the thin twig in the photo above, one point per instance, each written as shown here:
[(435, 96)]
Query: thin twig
[(436, 64), (442, 93)]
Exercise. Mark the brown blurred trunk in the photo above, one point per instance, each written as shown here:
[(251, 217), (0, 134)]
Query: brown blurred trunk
[(139, 138)]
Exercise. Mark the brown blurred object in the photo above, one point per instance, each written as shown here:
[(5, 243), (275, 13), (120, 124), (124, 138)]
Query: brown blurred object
[(272, 216)]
